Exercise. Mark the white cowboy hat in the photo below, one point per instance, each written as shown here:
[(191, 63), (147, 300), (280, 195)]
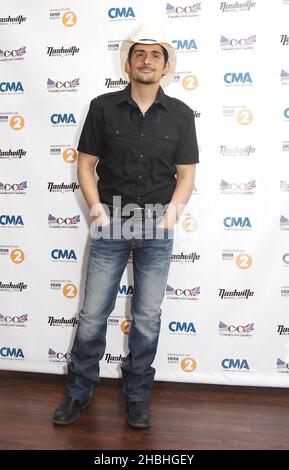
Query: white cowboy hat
[(149, 33)]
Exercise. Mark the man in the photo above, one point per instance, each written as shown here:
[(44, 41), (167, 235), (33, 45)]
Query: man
[(144, 144)]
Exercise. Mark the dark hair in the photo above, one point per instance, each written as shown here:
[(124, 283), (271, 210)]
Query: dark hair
[(131, 49)]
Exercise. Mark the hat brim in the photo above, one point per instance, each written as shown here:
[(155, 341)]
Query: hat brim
[(166, 79)]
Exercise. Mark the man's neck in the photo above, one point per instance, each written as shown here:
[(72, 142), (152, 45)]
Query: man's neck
[(144, 95)]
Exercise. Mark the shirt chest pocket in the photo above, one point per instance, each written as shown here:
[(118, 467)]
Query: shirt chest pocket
[(116, 138), (165, 141)]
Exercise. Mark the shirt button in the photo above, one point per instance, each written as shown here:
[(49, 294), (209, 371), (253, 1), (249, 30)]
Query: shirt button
[(117, 132), (138, 198), (142, 134), (140, 177), (141, 155)]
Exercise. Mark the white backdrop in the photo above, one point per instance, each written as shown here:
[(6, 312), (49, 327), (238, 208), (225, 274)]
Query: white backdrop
[(225, 313)]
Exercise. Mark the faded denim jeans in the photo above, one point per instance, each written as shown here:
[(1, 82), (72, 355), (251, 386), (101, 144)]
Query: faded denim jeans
[(107, 261)]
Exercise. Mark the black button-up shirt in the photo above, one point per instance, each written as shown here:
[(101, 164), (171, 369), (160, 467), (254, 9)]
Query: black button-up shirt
[(138, 152)]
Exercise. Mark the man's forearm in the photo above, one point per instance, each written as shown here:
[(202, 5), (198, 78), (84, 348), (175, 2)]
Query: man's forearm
[(88, 188), (181, 195)]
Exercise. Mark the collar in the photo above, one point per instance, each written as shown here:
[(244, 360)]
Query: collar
[(125, 97)]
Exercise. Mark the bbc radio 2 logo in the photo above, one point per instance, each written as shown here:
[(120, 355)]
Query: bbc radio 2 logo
[(190, 82), (17, 256), (68, 154), (67, 288), (244, 261), (185, 362), (15, 121), (187, 223), (188, 364), (70, 291), (125, 326), (67, 19), (244, 116)]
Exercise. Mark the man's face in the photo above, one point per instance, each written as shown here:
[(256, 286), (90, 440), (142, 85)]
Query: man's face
[(147, 64)]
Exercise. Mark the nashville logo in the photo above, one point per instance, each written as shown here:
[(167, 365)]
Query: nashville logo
[(181, 258), (19, 287), (110, 359), (62, 187), (8, 20), (11, 154), (237, 6), (235, 294), (236, 151), (52, 52), (52, 321), (109, 83)]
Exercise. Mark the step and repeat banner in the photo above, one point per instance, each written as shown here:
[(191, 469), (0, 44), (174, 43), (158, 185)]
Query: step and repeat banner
[(225, 315)]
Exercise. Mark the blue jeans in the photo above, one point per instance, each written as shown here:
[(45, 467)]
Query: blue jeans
[(107, 261)]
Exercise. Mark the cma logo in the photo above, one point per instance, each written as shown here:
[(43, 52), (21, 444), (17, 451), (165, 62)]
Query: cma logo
[(125, 290), (11, 86), (63, 254), (184, 327), (123, 12), (11, 220), (237, 222), (235, 364), (286, 113), (63, 118), (11, 352), (186, 44), (238, 77), (285, 258)]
